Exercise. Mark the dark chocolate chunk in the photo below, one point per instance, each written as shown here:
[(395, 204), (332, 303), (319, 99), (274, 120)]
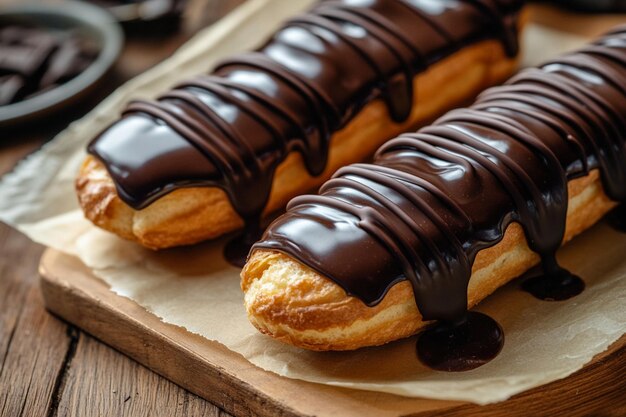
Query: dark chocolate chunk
[(39, 60)]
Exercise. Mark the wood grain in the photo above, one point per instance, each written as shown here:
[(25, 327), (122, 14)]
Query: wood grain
[(29, 369), (120, 386), (228, 380)]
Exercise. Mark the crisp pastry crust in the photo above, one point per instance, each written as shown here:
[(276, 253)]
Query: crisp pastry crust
[(290, 302), (190, 215)]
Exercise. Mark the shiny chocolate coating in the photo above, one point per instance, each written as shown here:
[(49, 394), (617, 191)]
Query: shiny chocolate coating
[(617, 218), (233, 128), (432, 200)]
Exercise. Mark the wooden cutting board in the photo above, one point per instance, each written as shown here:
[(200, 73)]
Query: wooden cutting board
[(226, 379)]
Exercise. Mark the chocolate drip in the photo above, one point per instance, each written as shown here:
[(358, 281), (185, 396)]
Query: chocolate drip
[(233, 128), (433, 199), (236, 250), (617, 218)]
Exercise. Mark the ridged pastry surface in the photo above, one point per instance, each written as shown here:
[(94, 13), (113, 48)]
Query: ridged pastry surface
[(190, 215), (219, 151), (291, 302), (455, 210)]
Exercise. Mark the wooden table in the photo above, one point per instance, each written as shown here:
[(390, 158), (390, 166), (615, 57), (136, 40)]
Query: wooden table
[(50, 368), (47, 367)]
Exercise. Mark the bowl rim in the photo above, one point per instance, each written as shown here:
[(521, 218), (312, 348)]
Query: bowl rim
[(86, 15)]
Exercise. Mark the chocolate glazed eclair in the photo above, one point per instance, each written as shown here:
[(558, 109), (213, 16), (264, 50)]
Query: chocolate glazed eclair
[(445, 216), (330, 87)]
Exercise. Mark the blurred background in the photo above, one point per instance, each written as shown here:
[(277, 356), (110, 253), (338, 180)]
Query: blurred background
[(48, 49), (50, 66)]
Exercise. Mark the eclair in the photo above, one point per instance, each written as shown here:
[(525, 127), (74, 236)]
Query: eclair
[(220, 151), (443, 217)]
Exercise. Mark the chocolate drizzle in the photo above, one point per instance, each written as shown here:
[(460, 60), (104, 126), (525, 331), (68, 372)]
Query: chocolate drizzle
[(554, 284), (233, 128), (433, 199)]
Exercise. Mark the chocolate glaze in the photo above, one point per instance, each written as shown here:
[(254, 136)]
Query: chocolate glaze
[(233, 128), (617, 218), (433, 199)]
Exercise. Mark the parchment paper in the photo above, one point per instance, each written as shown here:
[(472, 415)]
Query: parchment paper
[(195, 288)]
